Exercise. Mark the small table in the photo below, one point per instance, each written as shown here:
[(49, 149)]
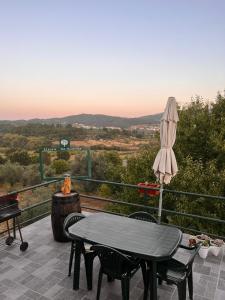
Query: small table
[(145, 240)]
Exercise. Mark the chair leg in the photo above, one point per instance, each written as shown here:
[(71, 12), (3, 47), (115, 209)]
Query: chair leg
[(190, 285), (76, 269), (71, 257), (146, 287), (125, 284), (99, 284), (181, 287), (88, 260), (145, 275)]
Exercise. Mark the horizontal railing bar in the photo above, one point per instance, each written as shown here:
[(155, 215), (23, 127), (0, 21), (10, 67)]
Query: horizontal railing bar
[(154, 208), (195, 230), (28, 207), (193, 216), (33, 187), (117, 183), (194, 194), (36, 218), (119, 202), (150, 188), (102, 210), (63, 177), (36, 205)]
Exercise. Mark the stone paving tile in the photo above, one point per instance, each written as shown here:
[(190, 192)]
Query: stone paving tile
[(16, 291), (197, 297), (56, 274), (25, 278), (4, 297), (66, 294), (220, 295), (3, 288), (31, 267), (53, 291), (40, 273), (202, 269), (222, 274), (221, 284), (23, 297), (31, 294), (5, 268)]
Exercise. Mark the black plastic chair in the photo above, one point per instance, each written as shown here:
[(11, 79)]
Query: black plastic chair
[(116, 265), (176, 272), (88, 254), (143, 216)]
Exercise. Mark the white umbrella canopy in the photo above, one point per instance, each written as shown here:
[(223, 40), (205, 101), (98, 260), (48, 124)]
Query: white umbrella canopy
[(165, 164)]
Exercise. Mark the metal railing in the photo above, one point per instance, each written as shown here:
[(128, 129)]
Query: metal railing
[(155, 209), (131, 205), (29, 220)]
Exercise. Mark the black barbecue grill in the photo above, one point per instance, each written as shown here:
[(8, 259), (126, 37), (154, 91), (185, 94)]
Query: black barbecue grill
[(9, 210)]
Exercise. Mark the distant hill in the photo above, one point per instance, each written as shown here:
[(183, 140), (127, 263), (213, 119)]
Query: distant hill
[(91, 120)]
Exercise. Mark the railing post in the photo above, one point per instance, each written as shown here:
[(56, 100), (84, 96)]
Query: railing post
[(41, 165), (89, 162)]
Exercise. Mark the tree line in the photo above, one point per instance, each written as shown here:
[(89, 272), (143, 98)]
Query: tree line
[(200, 152)]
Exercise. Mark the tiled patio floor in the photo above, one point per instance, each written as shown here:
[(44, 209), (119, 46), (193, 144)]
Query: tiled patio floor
[(41, 273)]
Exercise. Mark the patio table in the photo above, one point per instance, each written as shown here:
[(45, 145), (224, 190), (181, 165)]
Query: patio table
[(142, 239)]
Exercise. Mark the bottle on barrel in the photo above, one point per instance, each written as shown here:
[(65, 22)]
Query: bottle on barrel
[(64, 202)]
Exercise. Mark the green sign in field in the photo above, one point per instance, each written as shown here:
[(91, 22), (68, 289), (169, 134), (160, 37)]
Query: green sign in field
[(64, 145)]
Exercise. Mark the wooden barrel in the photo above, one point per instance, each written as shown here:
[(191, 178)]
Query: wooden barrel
[(62, 206)]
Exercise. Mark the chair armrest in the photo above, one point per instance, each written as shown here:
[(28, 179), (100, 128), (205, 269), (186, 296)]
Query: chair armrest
[(187, 247)]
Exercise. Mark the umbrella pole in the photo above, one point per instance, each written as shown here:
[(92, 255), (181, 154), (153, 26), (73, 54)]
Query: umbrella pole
[(160, 203)]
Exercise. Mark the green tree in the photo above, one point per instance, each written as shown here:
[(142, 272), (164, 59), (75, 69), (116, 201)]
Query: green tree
[(11, 173), (218, 133), (63, 155), (46, 156), (31, 175), (21, 157), (60, 166), (2, 160), (194, 132)]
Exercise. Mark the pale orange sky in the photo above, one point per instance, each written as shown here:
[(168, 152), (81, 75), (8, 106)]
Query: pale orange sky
[(56, 100), (121, 58)]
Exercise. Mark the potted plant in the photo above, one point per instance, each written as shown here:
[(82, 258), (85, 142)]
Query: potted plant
[(216, 246), (208, 245), (203, 252)]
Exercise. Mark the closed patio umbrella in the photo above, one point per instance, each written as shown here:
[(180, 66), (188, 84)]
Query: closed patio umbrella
[(165, 164)]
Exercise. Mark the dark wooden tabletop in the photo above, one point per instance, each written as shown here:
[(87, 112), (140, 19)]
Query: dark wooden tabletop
[(146, 240)]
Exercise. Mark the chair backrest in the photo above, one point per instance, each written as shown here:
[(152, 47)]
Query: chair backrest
[(143, 216), (69, 221), (113, 262)]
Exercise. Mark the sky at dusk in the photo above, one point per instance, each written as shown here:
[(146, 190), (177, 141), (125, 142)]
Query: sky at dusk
[(116, 57)]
